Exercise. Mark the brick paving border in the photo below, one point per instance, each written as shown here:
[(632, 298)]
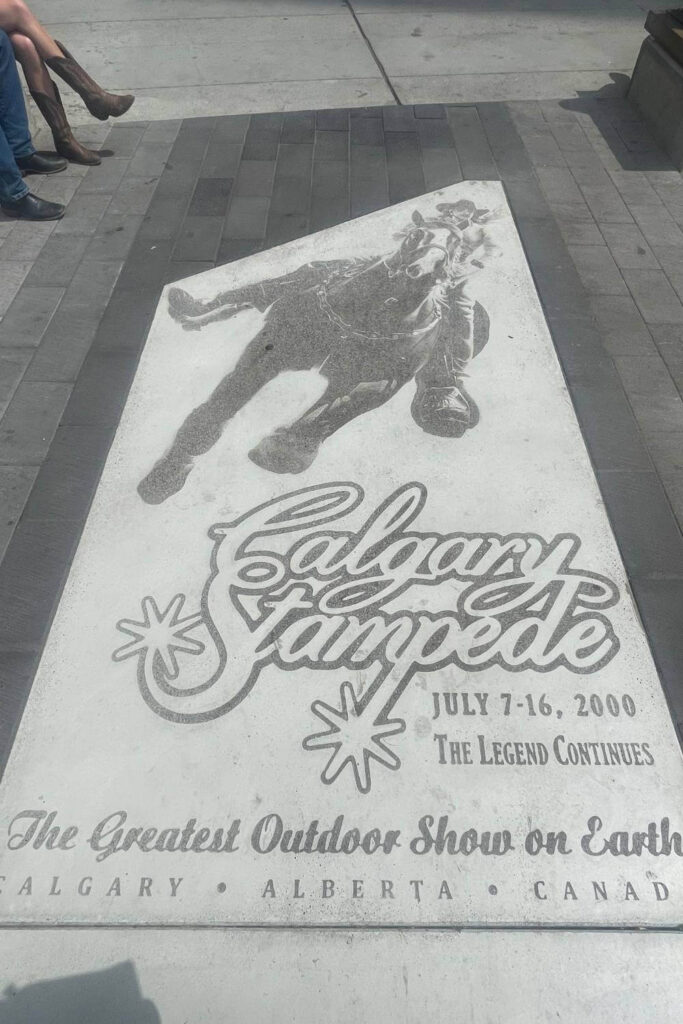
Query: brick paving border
[(599, 210)]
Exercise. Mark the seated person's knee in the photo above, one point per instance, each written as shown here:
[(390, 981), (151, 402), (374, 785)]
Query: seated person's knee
[(17, 9), (23, 46)]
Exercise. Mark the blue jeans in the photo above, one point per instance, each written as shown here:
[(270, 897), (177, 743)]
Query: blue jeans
[(15, 137)]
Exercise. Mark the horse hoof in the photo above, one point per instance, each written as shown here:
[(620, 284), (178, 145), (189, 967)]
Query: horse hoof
[(161, 483), (282, 454)]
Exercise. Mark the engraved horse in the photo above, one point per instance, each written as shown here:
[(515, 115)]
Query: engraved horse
[(368, 326)]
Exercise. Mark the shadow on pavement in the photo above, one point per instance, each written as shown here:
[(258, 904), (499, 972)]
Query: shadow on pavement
[(621, 126), (109, 996)]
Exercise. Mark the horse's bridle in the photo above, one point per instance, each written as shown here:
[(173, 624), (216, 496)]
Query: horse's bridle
[(417, 255)]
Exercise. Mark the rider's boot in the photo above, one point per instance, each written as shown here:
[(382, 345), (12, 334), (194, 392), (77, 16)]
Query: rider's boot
[(445, 410), (285, 451)]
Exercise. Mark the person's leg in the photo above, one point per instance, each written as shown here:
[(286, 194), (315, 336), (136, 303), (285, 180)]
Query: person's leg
[(16, 148), (15, 16), (13, 118), (12, 185), (442, 405), (46, 97), (35, 72), (15, 198)]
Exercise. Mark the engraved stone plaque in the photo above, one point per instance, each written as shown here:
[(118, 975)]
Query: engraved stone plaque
[(347, 639)]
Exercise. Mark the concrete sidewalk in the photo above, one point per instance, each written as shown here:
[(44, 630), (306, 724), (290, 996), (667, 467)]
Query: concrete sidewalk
[(186, 58)]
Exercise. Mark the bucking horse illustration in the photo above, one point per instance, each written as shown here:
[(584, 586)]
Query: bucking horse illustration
[(367, 325)]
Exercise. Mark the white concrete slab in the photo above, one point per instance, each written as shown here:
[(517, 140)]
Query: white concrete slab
[(514, 85), (252, 50), (161, 10), (480, 42), (368, 658), (204, 57), (184, 60), (157, 104), (122, 976)]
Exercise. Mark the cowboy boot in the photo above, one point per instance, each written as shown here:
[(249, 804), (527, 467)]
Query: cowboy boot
[(66, 145), (446, 410), (101, 104)]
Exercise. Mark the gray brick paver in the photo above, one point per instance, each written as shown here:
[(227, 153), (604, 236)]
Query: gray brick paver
[(542, 148), (13, 363), (26, 240), (606, 204), (581, 232), (570, 137), (27, 318), (113, 237), (654, 296), (124, 139), (57, 188), (149, 159), (64, 346), (133, 195), (12, 276), (58, 261), (526, 112), (670, 258), (15, 486), (294, 159), (634, 187), (255, 177), (247, 217), (330, 145), (597, 269), (673, 485), (440, 167), (657, 413), (222, 160), (657, 225), (666, 448), (162, 131), (628, 247), (30, 421), (198, 239), (330, 180), (84, 214), (105, 178), (369, 183), (623, 328), (646, 375)]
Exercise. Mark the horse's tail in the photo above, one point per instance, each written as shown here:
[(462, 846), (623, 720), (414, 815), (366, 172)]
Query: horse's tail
[(182, 305), (194, 314)]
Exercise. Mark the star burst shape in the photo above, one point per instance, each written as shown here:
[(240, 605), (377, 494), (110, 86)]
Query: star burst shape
[(354, 738), (161, 632)]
